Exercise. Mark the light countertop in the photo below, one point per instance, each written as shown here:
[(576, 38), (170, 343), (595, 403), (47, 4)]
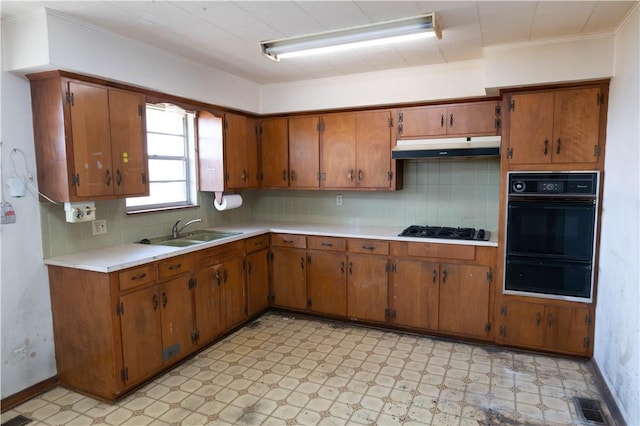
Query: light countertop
[(122, 256)]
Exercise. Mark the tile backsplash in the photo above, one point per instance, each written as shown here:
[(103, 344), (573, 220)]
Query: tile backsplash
[(448, 192)]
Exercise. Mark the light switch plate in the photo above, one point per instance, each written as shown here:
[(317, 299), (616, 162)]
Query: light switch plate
[(99, 227)]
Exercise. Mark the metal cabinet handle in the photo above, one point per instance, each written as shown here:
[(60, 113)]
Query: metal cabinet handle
[(451, 120), (558, 146), (139, 276), (302, 262), (326, 244), (350, 175), (174, 266), (342, 267), (249, 266), (442, 120), (284, 175), (118, 177), (549, 319), (360, 175), (244, 175), (546, 146), (288, 241), (434, 276), (108, 177), (351, 267), (164, 299), (293, 175), (225, 276), (155, 302), (538, 319), (218, 277), (369, 248), (444, 277)]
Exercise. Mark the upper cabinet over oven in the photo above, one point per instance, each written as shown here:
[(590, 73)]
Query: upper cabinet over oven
[(556, 127), (89, 139)]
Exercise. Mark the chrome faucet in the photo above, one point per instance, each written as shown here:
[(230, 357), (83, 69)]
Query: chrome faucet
[(175, 232)]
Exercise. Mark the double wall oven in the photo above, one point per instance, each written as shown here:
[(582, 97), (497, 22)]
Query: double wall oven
[(551, 234)]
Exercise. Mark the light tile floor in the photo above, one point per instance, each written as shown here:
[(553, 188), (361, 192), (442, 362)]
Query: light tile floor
[(285, 370)]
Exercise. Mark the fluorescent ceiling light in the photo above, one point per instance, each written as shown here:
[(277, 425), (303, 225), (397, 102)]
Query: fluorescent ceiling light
[(357, 37)]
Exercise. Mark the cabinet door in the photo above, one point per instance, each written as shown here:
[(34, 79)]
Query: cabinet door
[(288, 278), (367, 286), (274, 153), (567, 329), (531, 126), (177, 319), (422, 121), (91, 140), (414, 294), (304, 152), (576, 125), (207, 304), (464, 300), (253, 153), (338, 155), (373, 149), (128, 143), (210, 152), (327, 283), (474, 119), (235, 151), (257, 282), (234, 295), (521, 324), (141, 333)]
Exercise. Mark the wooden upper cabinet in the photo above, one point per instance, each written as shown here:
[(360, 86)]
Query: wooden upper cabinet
[(356, 150), (210, 152), (338, 151), (240, 152), (89, 139), (561, 126), (304, 151), (467, 119), (129, 155), (274, 153)]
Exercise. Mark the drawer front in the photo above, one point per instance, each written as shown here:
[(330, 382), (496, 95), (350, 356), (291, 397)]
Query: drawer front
[(326, 243), (175, 266), (442, 251), (369, 247), (289, 240), (257, 243), (138, 276)]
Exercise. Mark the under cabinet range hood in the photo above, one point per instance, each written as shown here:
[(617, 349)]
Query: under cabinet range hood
[(479, 146)]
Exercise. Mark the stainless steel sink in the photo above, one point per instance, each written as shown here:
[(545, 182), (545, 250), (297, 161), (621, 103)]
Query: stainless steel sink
[(189, 239)]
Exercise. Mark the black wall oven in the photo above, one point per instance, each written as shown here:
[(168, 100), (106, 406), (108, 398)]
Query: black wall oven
[(550, 234)]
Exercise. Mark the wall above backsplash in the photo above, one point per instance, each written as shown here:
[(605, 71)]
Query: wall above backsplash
[(448, 192)]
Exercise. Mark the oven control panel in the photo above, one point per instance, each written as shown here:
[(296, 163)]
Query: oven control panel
[(553, 183)]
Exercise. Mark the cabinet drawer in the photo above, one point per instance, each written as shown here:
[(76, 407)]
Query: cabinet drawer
[(175, 266), (257, 243), (137, 276), (369, 247), (442, 251), (326, 243), (289, 240)]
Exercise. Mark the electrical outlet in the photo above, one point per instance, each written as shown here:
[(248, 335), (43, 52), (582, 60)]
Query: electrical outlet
[(99, 226), (338, 200)]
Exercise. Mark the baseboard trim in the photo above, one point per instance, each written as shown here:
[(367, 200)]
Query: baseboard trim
[(24, 395), (615, 412)]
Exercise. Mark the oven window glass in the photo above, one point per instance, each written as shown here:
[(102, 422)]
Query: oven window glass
[(548, 277), (554, 229)]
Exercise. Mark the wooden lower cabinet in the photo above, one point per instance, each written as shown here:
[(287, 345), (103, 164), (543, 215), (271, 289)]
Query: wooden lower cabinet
[(327, 282), (207, 304), (177, 322), (367, 286), (414, 292), (289, 277), (464, 300), (562, 327), (257, 282)]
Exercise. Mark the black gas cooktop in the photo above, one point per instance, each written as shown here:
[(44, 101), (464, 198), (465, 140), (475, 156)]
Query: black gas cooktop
[(445, 232)]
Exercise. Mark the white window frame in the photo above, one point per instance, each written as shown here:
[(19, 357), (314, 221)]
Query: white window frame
[(189, 159)]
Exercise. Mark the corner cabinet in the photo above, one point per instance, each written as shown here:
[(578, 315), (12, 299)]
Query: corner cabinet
[(90, 140), (563, 126)]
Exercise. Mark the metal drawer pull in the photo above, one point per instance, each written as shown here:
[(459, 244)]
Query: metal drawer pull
[(302, 262), (342, 267), (444, 277), (108, 177), (434, 276), (558, 146), (164, 299), (155, 302), (139, 276), (369, 247), (546, 146), (176, 266), (288, 241), (326, 245)]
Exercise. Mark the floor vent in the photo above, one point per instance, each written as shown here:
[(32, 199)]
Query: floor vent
[(17, 421), (589, 410)]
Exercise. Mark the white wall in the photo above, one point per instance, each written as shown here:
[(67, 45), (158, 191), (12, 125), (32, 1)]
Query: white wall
[(617, 338)]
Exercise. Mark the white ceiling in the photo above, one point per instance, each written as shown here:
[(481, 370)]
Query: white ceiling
[(226, 34)]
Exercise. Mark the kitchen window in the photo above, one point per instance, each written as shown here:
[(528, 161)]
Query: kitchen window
[(171, 156)]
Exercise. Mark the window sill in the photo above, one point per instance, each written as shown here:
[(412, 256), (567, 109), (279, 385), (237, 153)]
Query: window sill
[(162, 209)]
